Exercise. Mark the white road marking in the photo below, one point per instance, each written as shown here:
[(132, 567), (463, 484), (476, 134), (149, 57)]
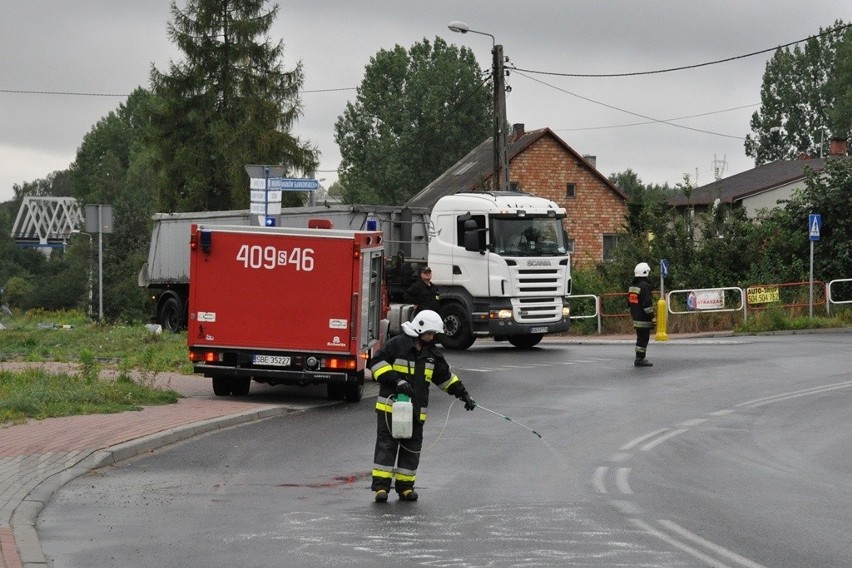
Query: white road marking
[(794, 394), (622, 457), (621, 480), (693, 422), (627, 508), (633, 443), (678, 544), (722, 412), (712, 546), (598, 479), (653, 444)]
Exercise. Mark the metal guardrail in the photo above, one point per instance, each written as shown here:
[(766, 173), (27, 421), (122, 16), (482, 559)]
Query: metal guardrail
[(829, 297), (741, 307), (742, 299), (596, 315)]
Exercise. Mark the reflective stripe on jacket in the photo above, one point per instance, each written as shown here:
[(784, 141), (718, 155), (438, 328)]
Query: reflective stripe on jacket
[(399, 360)]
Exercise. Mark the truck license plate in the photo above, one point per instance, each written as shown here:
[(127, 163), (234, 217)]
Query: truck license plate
[(274, 360), (538, 329)]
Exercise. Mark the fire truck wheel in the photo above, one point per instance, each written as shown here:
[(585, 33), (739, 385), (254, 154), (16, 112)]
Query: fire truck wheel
[(336, 391), (355, 391), (221, 386), (240, 387)]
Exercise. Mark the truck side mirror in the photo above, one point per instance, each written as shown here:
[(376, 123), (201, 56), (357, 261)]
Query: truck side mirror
[(471, 236)]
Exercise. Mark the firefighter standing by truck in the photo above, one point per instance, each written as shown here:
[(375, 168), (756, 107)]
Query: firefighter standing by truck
[(423, 294), (642, 311), (407, 364)]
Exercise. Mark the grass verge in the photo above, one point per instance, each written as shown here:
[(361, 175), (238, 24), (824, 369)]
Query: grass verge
[(36, 393)]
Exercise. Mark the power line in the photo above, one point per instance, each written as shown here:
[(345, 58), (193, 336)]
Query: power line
[(712, 112), (684, 67), (636, 114)]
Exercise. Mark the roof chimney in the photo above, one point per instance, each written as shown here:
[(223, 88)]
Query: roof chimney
[(838, 147), (517, 130), (593, 160)]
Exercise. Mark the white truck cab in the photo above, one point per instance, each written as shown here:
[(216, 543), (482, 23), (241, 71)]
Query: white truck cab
[(503, 267)]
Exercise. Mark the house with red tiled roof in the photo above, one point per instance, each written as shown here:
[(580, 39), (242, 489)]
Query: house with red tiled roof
[(542, 164)]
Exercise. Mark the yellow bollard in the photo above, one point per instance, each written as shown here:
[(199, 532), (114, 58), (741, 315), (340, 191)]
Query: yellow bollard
[(662, 320)]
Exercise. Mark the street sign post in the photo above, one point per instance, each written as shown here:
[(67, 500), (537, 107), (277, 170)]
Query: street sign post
[(814, 229)]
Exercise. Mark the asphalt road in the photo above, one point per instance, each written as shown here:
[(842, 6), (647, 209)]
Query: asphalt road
[(731, 452)]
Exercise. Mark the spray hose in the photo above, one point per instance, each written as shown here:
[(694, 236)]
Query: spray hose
[(446, 421)]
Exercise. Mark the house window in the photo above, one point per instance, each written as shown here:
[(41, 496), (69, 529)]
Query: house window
[(610, 243), (514, 186), (570, 190), (570, 244)]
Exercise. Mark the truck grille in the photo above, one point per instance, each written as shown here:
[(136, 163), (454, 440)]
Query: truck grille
[(537, 310), (538, 297)]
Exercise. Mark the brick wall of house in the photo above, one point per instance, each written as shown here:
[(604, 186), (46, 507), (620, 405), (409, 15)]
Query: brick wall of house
[(545, 169)]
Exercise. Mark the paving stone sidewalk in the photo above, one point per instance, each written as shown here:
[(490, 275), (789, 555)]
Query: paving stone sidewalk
[(40, 456)]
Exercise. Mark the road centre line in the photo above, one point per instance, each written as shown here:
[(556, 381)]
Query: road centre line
[(598, 479), (627, 508), (724, 412), (794, 394), (678, 544), (633, 443), (621, 480), (653, 444), (712, 546)]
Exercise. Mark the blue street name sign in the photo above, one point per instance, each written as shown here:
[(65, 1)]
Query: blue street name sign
[(291, 184), (814, 226)]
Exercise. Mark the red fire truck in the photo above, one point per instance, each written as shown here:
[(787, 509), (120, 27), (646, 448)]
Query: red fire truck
[(296, 306)]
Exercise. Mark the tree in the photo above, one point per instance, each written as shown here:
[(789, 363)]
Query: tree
[(416, 113), (227, 104), (646, 205), (806, 98)]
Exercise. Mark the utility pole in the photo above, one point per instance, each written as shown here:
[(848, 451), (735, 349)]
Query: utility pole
[(501, 152)]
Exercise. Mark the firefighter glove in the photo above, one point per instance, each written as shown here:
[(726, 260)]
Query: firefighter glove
[(469, 403), (404, 387)]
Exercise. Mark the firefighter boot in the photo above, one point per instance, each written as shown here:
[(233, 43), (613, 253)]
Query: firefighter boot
[(408, 495), (381, 496), (642, 363)]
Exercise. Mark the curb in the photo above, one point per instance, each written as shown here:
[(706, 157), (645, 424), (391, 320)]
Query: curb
[(25, 516)]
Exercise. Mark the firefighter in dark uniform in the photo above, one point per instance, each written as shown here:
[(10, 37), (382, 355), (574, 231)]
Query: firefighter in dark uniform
[(642, 311), (407, 364), (423, 294)]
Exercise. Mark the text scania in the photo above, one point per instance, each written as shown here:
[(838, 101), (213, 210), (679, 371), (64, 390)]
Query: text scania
[(256, 256)]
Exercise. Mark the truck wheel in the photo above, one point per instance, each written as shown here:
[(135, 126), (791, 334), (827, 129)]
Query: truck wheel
[(354, 391), (240, 387), (221, 386), (170, 315), (457, 331), (525, 341), (336, 391)]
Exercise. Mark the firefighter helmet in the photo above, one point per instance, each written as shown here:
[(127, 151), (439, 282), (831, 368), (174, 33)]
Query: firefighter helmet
[(642, 269), (424, 322)]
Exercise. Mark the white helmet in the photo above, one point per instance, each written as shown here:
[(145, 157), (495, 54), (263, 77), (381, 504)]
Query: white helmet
[(642, 269), (424, 322)]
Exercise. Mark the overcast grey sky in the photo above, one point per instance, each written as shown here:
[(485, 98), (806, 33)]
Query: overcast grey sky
[(109, 46)]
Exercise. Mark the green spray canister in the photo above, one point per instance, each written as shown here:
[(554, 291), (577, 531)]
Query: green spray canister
[(402, 417)]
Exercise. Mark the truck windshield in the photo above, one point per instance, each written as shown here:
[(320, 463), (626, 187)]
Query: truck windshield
[(528, 236)]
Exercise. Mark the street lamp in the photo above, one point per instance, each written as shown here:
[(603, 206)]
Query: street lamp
[(501, 159)]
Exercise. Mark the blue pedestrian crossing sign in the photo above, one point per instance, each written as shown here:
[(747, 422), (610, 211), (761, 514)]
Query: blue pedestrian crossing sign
[(814, 226)]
